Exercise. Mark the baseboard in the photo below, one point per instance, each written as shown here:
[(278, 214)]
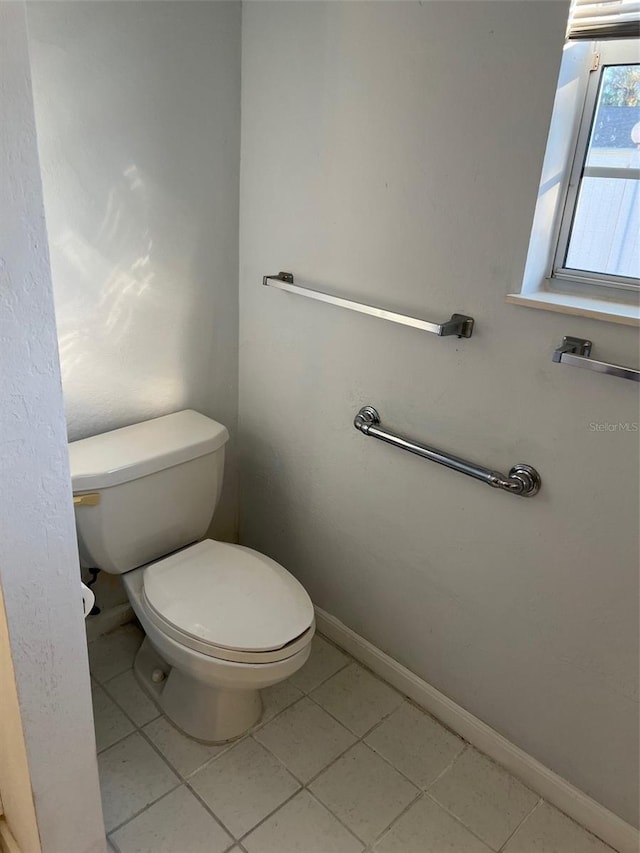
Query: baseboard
[(108, 620), (576, 804)]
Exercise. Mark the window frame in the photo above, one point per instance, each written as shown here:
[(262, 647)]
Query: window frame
[(574, 293), (622, 52)]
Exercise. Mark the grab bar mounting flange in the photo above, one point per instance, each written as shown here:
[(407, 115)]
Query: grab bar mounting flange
[(522, 480)]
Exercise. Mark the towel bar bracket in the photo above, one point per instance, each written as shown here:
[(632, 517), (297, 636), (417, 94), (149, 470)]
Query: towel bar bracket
[(575, 346), (287, 277), (576, 352), (458, 324)]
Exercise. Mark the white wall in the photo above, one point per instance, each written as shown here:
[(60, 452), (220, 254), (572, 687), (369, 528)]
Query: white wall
[(391, 152), (39, 571), (138, 114)]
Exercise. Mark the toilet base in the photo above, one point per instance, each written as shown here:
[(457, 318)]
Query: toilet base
[(204, 712)]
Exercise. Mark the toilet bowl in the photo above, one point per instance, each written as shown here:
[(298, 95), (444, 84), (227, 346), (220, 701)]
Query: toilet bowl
[(222, 621)]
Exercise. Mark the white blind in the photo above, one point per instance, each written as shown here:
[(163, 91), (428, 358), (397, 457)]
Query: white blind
[(606, 19)]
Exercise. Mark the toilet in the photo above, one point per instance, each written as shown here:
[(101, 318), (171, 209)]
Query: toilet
[(222, 622)]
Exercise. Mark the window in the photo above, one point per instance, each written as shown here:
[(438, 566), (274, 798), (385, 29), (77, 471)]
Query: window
[(600, 231), (584, 251)]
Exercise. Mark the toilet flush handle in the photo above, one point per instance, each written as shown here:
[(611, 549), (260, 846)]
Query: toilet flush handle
[(87, 499)]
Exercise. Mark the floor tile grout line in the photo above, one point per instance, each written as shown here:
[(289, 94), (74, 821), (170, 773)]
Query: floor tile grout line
[(331, 642), (337, 817), (359, 740), (155, 802), (459, 821), (319, 773), (389, 827), (374, 727), (406, 698), (159, 752), (522, 822), (379, 678), (500, 767), (307, 786), (349, 659), (104, 749), (344, 726), (302, 787), (437, 720), (324, 680), (188, 782), (226, 747), (136, 727), (104, 686), (263, 723), (403, 774), (182, 780), (241, 838), (449, 766), (128, 666), (127, 717), (354, 662), (102, 683), (123, 709), (248, 734), (471, 747), (208, 808), (143, 810)]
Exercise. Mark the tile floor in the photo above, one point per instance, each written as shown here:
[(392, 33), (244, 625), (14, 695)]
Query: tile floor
[(339, 763)]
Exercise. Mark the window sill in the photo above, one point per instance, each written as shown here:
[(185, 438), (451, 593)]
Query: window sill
[(579, 306)]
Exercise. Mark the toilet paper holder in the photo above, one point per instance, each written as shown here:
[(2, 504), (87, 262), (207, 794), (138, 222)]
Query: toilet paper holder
[(88, 599)]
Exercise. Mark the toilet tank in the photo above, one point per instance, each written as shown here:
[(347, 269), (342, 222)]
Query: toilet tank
[(145, 490)]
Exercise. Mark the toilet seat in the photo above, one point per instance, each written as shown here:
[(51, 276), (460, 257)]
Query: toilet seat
[(228, 602)]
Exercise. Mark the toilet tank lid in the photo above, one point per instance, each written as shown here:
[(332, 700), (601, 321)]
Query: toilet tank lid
[(134, 451)]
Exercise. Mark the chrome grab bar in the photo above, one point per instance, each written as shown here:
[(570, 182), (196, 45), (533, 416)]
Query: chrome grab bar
[(459, 324), (577, 351), (522, 480)]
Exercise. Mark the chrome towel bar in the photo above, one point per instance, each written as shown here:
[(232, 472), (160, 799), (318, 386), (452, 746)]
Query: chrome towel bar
[(577, 351), (522, 480), (459, 324)]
